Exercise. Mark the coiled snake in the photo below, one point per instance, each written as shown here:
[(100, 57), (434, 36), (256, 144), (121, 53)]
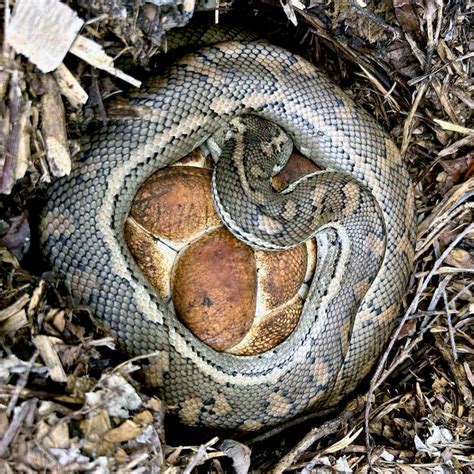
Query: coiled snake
[(363, 264)]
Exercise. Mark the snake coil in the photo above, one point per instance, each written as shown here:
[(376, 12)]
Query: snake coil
[(362, 269)]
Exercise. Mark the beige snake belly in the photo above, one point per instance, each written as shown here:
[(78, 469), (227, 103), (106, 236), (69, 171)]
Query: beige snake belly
[(329, 352)]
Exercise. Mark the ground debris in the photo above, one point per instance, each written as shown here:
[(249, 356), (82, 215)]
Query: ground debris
[(68, 401)]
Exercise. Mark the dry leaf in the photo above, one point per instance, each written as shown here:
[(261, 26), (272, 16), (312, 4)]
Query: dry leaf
[(126, 431), (16, 236), (407, 14), (460, 258)]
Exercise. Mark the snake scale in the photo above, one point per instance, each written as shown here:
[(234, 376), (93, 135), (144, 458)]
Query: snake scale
[(358, 286)]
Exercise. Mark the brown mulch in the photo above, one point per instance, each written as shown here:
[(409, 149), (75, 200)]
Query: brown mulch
[(68, 399)]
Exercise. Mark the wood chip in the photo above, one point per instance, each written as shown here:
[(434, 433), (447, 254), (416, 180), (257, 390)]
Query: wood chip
[(45, 346), (14, 308), (53, 125), (93, 53), (57, 319), (5, 467), (126, 431), (36, 458), (4, 422), (453, 127), (143, 418), (14, 323), (36, 297), (57, 437), (69, 87), (14, 317), (43, 31), (98, 423), (121, 456)]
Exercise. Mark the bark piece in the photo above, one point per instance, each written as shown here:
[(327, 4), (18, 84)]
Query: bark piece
[(92, 52), (14, 134), (70, 87), (45, 346), (43, 31), (53, 125)]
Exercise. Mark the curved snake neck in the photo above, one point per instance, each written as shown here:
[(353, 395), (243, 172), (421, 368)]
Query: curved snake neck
[(363, 264)]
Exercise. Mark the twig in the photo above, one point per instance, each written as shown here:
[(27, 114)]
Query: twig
[(376, 19), (14, 427), (460, 292), (407, 127), (450, 326), (405, 354), (437, 264), (438, 292), (386, 94), (12, 143), (142, 457), (452, 207), (98, 97), (319, 29), (131, 360), (416, 80), (454, 147), (94, 54), (200, 456), (317, 433), (6, 21), (289, 424), (6, 392), (455, 369), (21, 384)]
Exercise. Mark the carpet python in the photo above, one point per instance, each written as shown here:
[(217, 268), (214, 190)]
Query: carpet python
[(362, 206)]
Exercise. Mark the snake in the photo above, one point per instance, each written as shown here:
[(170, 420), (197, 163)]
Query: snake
[(359, 208)]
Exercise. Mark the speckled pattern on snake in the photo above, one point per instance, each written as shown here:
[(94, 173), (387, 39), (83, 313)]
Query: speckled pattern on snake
[(358, 286)]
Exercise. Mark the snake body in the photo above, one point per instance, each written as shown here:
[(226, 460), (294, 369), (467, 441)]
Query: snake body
[(358, 285)]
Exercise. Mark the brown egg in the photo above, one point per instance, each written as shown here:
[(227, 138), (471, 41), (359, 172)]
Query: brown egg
[(155, 260), (281, 274), (175, 203), (271, 329), (297, 166), (214, 288)]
